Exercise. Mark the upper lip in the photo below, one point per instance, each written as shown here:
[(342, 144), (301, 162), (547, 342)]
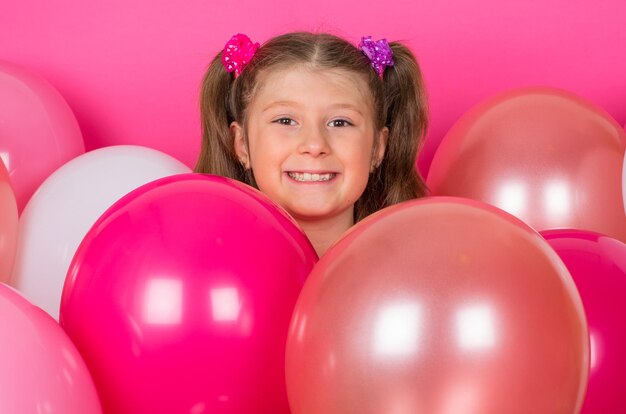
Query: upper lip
[(312, 171)]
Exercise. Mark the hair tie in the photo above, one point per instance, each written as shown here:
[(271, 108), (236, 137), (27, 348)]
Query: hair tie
[(237, 53), (378, 52)]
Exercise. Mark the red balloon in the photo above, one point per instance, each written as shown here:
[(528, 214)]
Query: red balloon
[(547, 156), (179, 298), (598, 265), (438, 306)]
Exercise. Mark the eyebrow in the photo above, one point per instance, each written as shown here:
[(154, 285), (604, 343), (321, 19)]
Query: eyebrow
[(296, 104), (280, 103)]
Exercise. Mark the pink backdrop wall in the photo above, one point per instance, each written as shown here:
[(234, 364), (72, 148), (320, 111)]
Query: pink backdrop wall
[(130, 70)]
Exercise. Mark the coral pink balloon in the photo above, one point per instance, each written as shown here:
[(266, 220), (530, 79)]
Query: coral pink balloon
[(438, 306), (598, 265), (40, 369), (547, 156), (179, 298), (8, 225), (39, 132)]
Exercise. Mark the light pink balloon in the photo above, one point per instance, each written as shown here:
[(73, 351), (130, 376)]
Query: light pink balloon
[(547, 156), (40, 369), (38, 131), (8, 225)]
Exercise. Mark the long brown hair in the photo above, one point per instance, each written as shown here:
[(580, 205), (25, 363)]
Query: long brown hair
[(399, 102)]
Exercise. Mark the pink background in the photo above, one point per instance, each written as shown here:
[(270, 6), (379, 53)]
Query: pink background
[(131, 70)]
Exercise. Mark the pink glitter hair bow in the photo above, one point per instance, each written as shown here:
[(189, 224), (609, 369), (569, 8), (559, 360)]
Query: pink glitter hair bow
[(378, 52), (237, 53)]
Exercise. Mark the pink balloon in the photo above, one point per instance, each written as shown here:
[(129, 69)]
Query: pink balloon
[(547, 156), (179, 298), (39, 132), (8, 225), (598, 265), (40, 369), (438, 306)]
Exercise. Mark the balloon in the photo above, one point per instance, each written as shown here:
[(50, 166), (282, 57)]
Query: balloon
[(8, 225), (67, 204), (624, 182), (40, 369), (179, 298), (440, 305), (598, 265), (547, 156), (39, 130)]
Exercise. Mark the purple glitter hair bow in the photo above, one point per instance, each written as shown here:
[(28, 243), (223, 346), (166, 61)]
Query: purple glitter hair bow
[(378, 52), (237, 53)]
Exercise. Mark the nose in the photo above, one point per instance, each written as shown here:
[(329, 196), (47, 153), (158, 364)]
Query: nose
[(313, 141)]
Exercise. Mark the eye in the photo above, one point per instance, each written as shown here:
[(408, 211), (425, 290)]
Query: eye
[(285, 121), (339, 123)]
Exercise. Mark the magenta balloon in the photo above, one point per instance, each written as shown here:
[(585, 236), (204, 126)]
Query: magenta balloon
[(38, 130), (41, 370), (598, 265), (547, 156), (180, 297), (438, 306)]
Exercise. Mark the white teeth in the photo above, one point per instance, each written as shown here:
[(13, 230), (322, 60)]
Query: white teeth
[(311, 177)]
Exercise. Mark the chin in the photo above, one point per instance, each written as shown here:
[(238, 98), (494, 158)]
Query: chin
[(311, 214)]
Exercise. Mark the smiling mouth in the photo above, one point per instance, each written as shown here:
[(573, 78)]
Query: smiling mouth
[(311, 177)]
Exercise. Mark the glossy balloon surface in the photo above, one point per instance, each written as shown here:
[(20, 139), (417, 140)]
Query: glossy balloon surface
[(180, 297), (547, 156), (39, 131), (438, 306), (598, 265), (40, 369), (8, 225), (67, 204)]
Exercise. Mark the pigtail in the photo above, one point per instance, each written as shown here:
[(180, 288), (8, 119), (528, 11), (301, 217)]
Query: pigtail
[(407, 119), (217, 154)]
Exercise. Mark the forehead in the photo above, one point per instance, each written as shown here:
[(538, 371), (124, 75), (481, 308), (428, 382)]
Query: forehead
[(313, 85)]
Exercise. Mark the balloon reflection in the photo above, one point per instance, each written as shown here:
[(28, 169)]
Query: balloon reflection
[(512, 197), (225, 304), (397, 330), (475, 327), (595, 350), (557, 200), (163, 302), (198, 408), (461, 398), (5, 156)]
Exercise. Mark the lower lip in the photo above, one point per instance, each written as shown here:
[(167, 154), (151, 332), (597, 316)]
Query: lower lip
[(312, 182)]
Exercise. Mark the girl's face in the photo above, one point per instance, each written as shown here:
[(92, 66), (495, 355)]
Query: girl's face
[(310, 136)]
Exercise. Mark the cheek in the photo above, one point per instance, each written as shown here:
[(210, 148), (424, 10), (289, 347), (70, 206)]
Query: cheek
[(359, 157), (266, 163)]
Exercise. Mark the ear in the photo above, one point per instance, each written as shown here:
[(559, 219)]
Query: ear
[(239, 144), (382, 137)]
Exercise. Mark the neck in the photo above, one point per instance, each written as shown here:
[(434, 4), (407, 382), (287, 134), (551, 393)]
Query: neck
[(324, 232)]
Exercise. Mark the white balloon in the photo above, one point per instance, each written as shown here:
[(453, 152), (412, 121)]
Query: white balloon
[(67, 204)]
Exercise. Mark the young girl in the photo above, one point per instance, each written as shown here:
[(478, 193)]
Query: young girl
[(327, 130)]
